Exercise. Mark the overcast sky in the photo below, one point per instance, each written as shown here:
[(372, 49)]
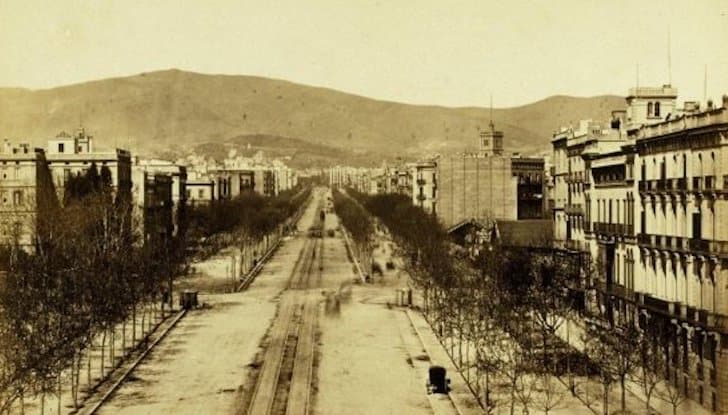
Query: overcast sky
[(447, 52)]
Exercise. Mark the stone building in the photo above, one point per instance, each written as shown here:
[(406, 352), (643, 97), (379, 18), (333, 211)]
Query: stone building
[(30, 175), (683, 242), (26, 192), (647, 198), (424, 185), (147, 176), (73, 154), (489, 184)]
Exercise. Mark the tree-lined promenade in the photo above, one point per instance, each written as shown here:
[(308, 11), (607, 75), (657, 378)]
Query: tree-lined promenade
[(91, 272), (498, 311)]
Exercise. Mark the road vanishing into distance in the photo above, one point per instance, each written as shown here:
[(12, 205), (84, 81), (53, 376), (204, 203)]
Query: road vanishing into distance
[(306, 337)]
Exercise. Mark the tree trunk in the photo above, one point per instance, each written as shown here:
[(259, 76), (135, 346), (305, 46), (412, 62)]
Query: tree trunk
[(467, 359), (513, 398), (59, 393), (144, 315), (486, 393), (103, 350), (133, 324), (460, 347), (112, 348), (568, 360), (621, 384), (74, 370), (42, 403), (123, 338), (606, 400), (88, 365)]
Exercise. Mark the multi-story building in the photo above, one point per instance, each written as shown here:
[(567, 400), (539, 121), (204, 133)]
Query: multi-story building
[(147, 177), (157, 207), (571, 150), (683, 241), (424, 185), (30, 175), (27, 193), (264, 180), (648, 199), (530, 187), (479, 185), (74, 154), (200, 189)]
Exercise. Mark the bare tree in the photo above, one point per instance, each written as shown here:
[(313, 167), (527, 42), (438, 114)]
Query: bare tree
[(549, 392)]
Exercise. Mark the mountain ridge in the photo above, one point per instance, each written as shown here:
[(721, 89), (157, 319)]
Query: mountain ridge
[(173, 109)]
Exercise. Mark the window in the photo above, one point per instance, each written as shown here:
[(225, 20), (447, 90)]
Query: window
[(18, 197), (657, 109), (60, 147), (649, 109), (200, 194)]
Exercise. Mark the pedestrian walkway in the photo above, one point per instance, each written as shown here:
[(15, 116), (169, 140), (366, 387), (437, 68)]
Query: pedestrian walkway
[(460, 394)]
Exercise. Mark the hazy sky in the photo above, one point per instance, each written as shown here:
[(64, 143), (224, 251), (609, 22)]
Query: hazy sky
[(445, 52)]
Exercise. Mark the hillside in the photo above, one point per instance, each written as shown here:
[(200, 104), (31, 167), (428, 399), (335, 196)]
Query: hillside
[(179, 111)]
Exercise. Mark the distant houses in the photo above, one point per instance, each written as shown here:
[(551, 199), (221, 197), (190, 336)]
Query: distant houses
[(157, 192)]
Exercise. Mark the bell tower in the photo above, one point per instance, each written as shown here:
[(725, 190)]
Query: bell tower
[(490, 142)]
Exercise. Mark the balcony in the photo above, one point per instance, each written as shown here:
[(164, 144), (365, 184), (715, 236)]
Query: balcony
[(574, 209), (697, 184), (644, 239), (613, 229), (657, 304), (681, 184), (699, 245), (615, 290), (421, 182), (421, 197), (575, 245), (643, 185), (709, 182)]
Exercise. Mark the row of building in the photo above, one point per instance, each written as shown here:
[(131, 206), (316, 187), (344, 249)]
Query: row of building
[(461, 188), (646, 196), (156, 188)]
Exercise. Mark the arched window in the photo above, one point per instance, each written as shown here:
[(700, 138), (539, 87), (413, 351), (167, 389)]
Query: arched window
[(649, 109), (657, 109)]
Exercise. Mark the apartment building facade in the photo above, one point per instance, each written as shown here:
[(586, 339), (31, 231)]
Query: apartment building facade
[(74, 154), (424, 185), (647, 198), (26, 194)]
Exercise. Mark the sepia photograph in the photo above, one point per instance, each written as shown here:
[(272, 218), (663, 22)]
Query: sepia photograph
[(363, 207)]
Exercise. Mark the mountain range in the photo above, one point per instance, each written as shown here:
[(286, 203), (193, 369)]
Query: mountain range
[(172, 113)]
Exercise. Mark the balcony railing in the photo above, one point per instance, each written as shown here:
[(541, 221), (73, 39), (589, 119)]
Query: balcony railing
[(681, 184), (709, 182), (574, 209), (661, 184), (699, 245), (697, 183), (421, 182), (613, 229)]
